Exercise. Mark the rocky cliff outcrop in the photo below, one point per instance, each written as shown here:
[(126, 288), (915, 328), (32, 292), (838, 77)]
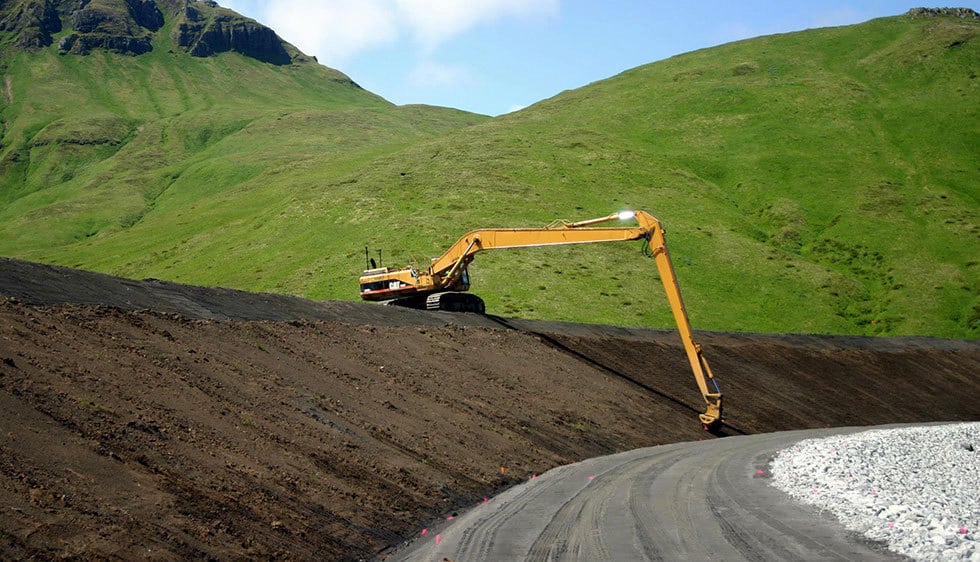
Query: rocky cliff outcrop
[(30, 22), (204, 34), (121, 26), (200, 27), (964, 13)]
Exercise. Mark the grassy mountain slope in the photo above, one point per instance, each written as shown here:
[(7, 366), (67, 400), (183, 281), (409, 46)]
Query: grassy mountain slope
[(816, 181), (822, 181), (95, 145)]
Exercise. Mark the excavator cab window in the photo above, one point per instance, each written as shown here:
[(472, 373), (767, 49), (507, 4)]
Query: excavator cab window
[(373, 286)]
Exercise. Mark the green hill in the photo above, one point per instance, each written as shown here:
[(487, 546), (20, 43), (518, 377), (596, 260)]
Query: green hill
[(820, 181), (173, 150)]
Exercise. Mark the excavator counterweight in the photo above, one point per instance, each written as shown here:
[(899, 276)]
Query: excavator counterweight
[(444, 284)]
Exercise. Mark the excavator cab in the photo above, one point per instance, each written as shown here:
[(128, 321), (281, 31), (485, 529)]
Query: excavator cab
[(405, 287), (383, 283)]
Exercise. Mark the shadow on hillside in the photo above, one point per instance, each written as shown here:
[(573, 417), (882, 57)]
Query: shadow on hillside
[(725, 430)]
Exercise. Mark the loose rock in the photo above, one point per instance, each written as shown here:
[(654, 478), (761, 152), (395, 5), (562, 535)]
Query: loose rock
[(916, 489)]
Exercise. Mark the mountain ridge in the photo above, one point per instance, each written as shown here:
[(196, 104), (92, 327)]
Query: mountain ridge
[(200, 27)]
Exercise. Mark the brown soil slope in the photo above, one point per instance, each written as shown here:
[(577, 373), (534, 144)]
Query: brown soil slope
[(152, 420)]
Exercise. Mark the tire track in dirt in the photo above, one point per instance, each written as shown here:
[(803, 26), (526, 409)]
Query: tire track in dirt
[(690, 501)]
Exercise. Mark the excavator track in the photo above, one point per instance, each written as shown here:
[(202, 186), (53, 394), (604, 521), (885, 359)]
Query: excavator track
[(455, 302), (446, 301)]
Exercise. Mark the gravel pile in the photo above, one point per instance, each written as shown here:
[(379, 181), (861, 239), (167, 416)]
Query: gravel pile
[(917, 489)]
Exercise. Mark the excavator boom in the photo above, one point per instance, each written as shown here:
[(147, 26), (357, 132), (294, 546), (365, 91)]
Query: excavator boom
[(441, 286)]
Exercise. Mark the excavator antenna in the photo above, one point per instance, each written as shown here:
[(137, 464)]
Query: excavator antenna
[(369, 263)]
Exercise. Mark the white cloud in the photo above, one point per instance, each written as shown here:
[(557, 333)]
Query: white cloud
[(434, 22), (738, 30), (245, 7), (840, 16), (335, 30), (735, 31), (429, 73), (409, 31)]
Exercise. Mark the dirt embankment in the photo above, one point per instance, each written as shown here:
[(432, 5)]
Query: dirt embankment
[(155, 420)]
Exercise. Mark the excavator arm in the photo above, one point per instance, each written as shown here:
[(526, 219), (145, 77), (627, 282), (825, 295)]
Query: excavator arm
[(447, 275), (448, 267), (711, 418)]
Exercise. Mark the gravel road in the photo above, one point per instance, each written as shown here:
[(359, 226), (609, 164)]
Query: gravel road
[(710, 500)]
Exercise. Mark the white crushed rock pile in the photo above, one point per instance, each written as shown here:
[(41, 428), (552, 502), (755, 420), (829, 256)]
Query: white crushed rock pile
[(917, 489)]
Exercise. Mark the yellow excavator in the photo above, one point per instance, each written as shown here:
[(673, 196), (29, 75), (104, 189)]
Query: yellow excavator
[(442, 286)]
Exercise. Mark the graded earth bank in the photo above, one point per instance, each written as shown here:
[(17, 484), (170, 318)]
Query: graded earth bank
[(165, 419)]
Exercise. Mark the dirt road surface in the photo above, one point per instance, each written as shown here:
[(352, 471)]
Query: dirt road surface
[(687, 501), (143, 419)]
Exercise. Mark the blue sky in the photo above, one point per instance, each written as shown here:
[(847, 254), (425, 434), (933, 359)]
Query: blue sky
[(496, 56)]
